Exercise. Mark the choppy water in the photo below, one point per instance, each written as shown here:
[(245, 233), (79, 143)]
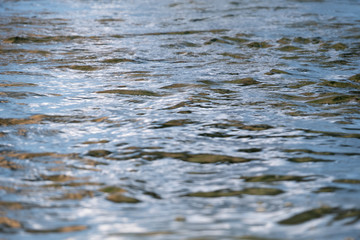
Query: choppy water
[(180, 119)]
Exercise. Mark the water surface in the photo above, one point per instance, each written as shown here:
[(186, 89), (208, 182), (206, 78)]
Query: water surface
[(179, 119)]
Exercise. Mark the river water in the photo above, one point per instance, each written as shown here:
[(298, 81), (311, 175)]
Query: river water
[(180, 119)]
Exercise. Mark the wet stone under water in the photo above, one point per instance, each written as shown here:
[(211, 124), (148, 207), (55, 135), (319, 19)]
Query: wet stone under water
[(180, 119)]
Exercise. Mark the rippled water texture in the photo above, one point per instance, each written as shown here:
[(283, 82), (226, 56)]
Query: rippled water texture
[(180, 119)]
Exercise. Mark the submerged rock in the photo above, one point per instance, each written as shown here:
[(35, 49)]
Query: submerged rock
[(10, 205), (98, 153), (338, 46), (80, 67), (348, 181), (8, 164), (118, 60), (244, 81), (232, 193), (276, 71), (257, 127), (284, 40), (355, 78), (259, 45), (336, 99), (276, 178), (288, 48), (58, 178), (307, 159), (308, 215), (9, 223), (196, 158), (76, 195), (17, 84), (329, 189), (131, 92), (339, 84), (338, 213), (112, 189), (119, 198), (214, 194), (176, 123), (302, 40), (66, 229)]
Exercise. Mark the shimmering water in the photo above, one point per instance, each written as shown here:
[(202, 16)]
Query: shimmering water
[(181, 119)]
